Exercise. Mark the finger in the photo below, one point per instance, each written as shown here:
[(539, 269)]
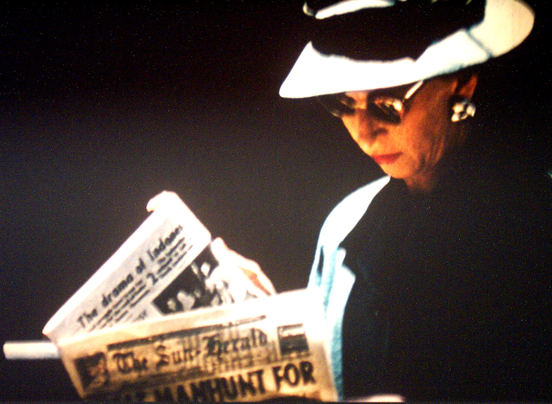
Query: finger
[(249, 267)]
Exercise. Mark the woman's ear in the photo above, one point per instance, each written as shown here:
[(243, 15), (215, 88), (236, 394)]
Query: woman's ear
[(466, 88)]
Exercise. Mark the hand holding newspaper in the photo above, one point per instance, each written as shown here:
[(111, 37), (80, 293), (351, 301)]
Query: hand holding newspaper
[(175, 315)]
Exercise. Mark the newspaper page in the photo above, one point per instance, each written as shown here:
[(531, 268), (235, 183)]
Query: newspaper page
[(261, 349), (166, 266)]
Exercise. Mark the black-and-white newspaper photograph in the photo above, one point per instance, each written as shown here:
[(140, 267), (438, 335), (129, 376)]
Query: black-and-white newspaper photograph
[(238, 200)]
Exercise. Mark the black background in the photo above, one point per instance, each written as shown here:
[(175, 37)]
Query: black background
[(104, 106)]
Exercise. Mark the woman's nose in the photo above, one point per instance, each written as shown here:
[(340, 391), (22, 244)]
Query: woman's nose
[(363, 126)]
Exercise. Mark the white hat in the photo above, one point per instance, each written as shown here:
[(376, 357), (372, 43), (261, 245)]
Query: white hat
[(505, 25)]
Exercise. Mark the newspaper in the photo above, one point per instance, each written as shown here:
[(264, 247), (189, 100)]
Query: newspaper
[(154, 323), (256, 350), (166, 266)]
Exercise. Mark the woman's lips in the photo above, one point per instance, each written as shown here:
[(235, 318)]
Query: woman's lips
[(386, 158)]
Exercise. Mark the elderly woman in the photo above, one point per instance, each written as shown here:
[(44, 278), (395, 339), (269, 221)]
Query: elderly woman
[(437, 277)]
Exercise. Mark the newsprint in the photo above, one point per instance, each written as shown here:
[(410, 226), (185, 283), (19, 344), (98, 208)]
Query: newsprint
[(156, 322), (166, 266), (256, 350)]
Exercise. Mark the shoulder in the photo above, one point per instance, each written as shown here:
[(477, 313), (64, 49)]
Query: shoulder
[(345, 216), (493, 177), (519, 186)]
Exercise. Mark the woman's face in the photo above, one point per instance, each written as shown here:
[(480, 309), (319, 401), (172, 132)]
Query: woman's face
[(413, 149)]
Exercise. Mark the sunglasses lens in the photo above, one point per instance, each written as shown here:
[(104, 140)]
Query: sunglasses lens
[(385, 112), (334, 104), (384, 109)]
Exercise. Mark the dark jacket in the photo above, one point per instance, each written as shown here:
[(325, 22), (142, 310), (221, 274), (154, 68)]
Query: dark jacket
[(453, 290)]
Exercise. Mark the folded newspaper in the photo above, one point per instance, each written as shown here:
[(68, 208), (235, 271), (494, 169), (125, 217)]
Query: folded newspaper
[(155, 323), (250, 351), (167, 265)]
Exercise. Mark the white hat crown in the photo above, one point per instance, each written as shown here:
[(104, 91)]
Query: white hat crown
[(506, 23)]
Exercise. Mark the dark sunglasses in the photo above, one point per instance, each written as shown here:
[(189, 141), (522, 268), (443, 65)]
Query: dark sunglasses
[(382, 105)]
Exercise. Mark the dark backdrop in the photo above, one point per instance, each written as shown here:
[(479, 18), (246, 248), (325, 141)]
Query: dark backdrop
[(104, 106)]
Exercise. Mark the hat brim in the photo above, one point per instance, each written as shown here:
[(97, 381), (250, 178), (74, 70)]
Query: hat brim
[(505, 25)]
